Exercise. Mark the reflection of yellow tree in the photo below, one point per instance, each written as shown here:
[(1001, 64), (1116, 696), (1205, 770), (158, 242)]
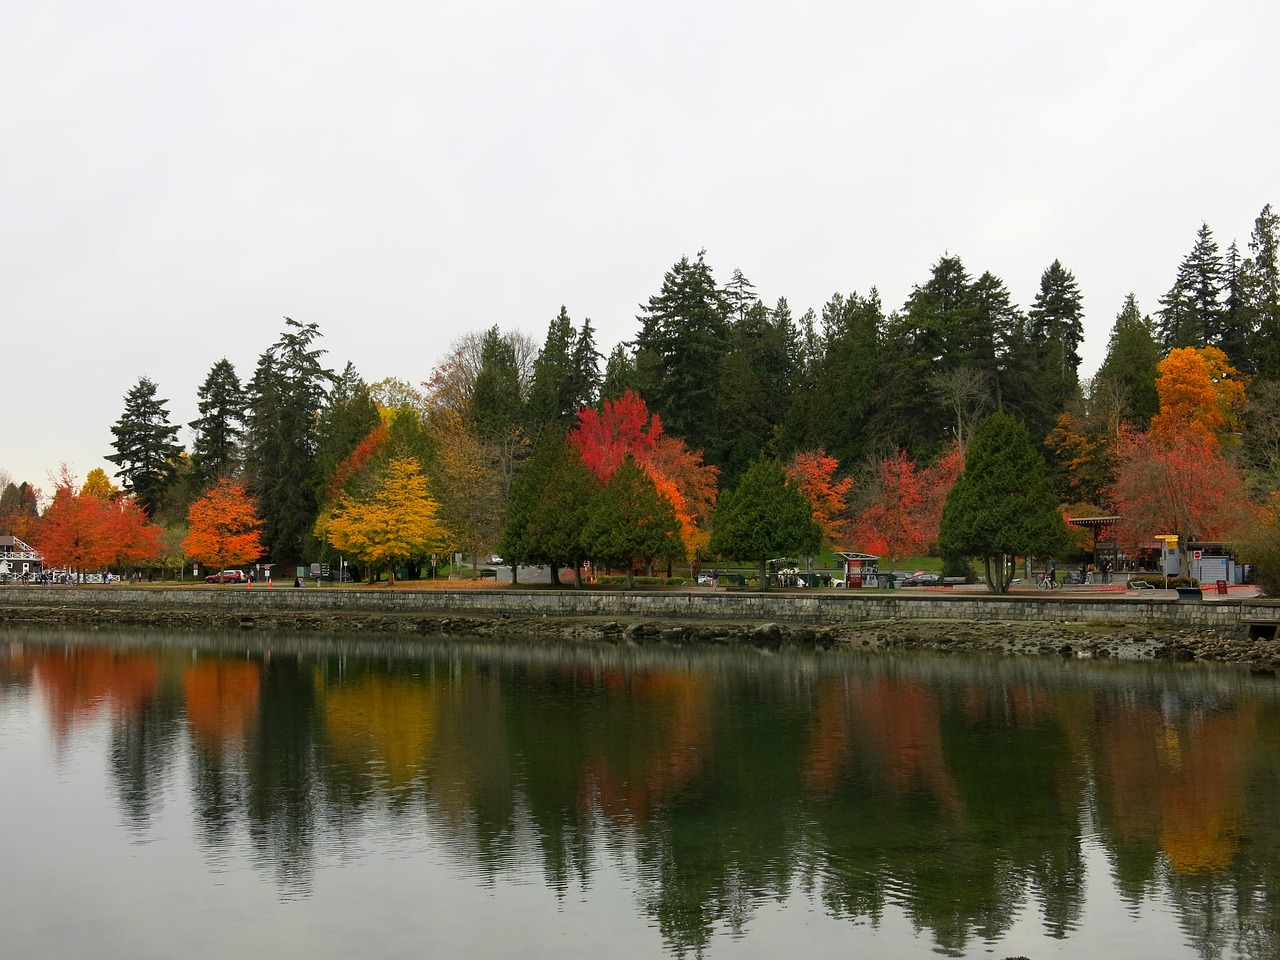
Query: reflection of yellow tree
[(386, 720), (1200, 816), (1179, 784), (222, 699)]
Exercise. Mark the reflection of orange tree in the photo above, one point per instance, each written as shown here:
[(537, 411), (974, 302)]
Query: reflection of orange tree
[(380, 719), (79, 683), (675, 726), (222, 699), (899, 726)]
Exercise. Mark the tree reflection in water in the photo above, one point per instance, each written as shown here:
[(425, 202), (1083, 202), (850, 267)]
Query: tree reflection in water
[(958, 791)]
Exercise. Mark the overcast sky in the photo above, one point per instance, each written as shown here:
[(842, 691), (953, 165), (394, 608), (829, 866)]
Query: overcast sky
[(177, 177)]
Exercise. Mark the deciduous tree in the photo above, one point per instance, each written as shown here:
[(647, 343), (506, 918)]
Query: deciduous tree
[(1178, 485), (813, 473), (223, 527), (398, 521), (1200, 392)]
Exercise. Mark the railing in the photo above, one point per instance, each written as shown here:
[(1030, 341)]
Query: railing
[(21, 555)]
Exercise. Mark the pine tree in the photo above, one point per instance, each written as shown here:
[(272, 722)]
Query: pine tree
[(288, 391), (349, 414), (146, 446), (584, 365), (1002, 506), (1191, 313), (497, 407), (551, 398), (680, 352), (630, 522), (220, 427), (1056, 329), (847, 375), (1130, 364), (620, 374), (764, 517), (1262, 271)]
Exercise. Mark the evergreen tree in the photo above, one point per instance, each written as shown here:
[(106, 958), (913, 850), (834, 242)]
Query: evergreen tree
[(847, 376), (1002, 506), (220, 427), (497, 409), (764, 517), (549, 399), (146, 446), (631, 522), (1262, 285), (1239, 318), (1056, 329), (289, 389), (758, 380), (680, 353), (620, 374), (1191, 313), (1130, 364), (349, 414), (584, 369)]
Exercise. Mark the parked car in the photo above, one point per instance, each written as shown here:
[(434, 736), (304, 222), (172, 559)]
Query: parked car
[(494, 559), (227, 576), (922, 579)]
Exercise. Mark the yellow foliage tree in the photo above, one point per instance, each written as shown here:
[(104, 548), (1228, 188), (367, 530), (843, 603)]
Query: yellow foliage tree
[(1200, 392), (396, 522)]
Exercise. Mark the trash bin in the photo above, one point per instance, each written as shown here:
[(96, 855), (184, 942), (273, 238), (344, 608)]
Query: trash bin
[(1222, 588), (1189, 593)]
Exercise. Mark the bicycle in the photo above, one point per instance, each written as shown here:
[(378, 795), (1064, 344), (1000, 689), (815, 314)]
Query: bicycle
[(1048, 583)]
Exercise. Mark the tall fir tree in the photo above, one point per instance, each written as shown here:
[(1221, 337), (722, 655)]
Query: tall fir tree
[(620, 374), (289, 389), (1191, 313), (497, 407), (1130, 364), (1262, 297), (349, 414), (219, 430), (584, 368), (1056, 330), (847, 375), (146, 446), (680, 353)]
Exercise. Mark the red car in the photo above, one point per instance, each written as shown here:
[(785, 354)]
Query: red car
[(227, 576)]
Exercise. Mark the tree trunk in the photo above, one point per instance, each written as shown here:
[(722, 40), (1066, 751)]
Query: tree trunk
[(764, 576)]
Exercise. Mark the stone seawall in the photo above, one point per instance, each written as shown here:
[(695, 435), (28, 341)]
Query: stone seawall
[(819, 608), (1098, 626)]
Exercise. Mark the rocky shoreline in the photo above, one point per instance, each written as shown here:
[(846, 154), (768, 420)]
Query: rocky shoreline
[(1060, 639)]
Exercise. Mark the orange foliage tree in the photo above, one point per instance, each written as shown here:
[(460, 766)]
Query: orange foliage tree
[(82, 532), (624, 426), (813, 472), (224, 529), (1200, 392)]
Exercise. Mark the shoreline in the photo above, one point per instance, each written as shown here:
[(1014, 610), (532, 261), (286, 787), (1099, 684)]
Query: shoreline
[(1113, 638)]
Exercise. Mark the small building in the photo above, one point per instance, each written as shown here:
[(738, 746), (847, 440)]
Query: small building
[(860, 569), (18, 559)]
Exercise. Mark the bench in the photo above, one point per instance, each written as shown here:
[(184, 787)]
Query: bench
[(1140, 585)]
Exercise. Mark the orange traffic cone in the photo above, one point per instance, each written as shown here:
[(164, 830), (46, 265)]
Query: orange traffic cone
[(248, 583), (268, 583)]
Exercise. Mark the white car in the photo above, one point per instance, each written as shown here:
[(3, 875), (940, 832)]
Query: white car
[(493, 558)]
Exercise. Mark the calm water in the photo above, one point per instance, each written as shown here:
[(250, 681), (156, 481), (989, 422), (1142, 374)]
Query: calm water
[(178, 795)]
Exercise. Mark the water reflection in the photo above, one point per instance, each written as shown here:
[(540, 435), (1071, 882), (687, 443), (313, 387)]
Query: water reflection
[(961, 792)]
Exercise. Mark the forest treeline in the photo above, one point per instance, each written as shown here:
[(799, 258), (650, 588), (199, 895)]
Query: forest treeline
[(726, 427)]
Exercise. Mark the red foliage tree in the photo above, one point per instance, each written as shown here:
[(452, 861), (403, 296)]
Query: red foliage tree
[(904, 510), (1183, 486), (82, 532), (625, 426)]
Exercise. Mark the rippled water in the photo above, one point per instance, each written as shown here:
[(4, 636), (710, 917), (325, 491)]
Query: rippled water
[(208, 796)]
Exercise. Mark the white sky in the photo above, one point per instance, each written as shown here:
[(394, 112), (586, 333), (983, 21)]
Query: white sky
[(176, 177)]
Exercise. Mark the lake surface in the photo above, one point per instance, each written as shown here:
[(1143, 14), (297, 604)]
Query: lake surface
[(169, 794)]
